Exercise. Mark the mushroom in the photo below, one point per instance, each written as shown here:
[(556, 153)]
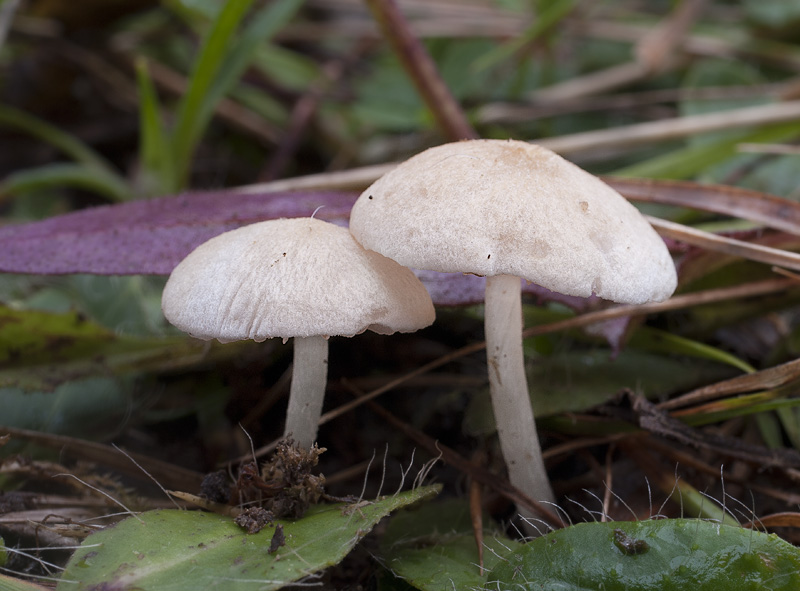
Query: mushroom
[(302, 278), (509, 210)]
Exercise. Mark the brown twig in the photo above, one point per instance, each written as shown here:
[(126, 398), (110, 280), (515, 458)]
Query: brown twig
[(659, 422), (694, 461), (710, 296), (420, 67), (698, 298), (767, 379)]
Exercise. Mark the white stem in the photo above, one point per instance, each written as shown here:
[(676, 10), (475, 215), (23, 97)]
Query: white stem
[(509, 389), (309, 378)]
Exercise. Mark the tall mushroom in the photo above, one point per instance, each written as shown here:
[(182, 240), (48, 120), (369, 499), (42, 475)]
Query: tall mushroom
[(301, 278), (509, 210)]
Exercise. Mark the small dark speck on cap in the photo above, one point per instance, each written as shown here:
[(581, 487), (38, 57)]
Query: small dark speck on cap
[(370, 197)]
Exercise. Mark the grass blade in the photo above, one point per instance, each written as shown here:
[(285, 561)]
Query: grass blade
[(266, 23), (686, 163), (189, 126), (155, 156), (66, 175), (662, 341), (66, 143)]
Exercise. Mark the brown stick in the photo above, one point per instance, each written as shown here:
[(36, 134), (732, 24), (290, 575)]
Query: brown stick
[(420, 67), (710, 296)]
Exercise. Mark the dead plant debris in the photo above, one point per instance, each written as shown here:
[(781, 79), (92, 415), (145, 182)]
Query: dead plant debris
[(254, 519), (285, 486)]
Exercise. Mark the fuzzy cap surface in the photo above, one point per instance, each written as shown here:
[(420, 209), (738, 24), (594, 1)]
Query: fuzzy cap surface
[(292, 278), (505, 207)]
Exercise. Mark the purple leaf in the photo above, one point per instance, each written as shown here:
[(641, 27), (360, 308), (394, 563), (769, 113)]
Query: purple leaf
[(150, 237), (453, 289)]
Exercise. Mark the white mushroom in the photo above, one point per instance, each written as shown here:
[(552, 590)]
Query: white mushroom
[(509, 210), (301, 278)]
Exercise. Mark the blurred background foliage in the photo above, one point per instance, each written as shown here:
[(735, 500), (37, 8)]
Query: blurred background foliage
[(104, 102)]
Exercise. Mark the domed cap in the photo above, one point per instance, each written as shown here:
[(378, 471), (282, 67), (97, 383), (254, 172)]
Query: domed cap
[(292, 278), (496, 207)]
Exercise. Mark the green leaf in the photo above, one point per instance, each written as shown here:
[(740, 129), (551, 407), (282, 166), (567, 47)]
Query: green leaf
[(577, 380), (287, 68), (9, 583), (774, 14), (89, 171), (717, 72), (82, 176), (652, 339), (770, 430), (95, 408), (689, 162), (155, 155), (696, 504), (789, 419), (268, 108), (385, 98), (783, 397), (171, 550), (189, 125), (264, 25), (32, 337), (39, 351), (66, 143), (663, 555), (433, 547)]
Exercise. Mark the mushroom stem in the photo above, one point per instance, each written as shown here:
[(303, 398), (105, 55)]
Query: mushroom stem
[(509, 389), (309, 378)]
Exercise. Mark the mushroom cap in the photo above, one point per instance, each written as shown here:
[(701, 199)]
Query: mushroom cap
[(292, 278), (504, 207)]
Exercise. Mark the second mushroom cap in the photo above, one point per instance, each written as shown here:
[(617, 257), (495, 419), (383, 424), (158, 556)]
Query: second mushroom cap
[(292, 278), (504, 207)]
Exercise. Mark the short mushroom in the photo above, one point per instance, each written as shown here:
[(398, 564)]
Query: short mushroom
[(509, 210), (302, 278)]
